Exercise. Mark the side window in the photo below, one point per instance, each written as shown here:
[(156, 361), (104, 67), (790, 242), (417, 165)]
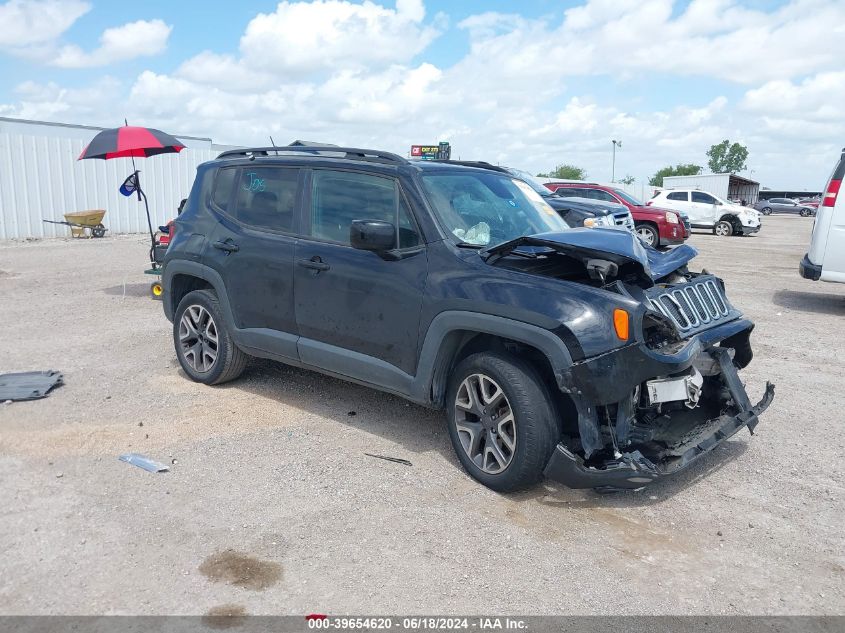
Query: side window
[(598, 194), (703, 198), (224, 180), (267, 197), (682, 196), (339, 197), (572, 192)]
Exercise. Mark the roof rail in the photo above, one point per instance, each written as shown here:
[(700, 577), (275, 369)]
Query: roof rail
[(352, 153), (481, 164)]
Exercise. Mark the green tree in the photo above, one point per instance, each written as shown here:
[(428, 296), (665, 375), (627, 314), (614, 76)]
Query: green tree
[(627, 180), (725, 157), (566, 172), (678, 170)]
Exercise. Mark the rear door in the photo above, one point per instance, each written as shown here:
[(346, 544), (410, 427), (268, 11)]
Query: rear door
[(357, 311), (252, 250), (679, 201)]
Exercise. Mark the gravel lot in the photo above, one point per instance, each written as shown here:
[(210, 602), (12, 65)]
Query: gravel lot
[(271, 507)]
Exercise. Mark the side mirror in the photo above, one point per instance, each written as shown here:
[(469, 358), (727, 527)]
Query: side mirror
[(372, 235)]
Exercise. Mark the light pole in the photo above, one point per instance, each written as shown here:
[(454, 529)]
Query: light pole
[(613, 169)]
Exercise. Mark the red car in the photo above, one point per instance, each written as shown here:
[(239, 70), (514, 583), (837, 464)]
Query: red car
[(657, 227)]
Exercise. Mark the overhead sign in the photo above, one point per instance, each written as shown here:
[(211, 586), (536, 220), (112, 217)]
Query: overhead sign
[(441, 151)]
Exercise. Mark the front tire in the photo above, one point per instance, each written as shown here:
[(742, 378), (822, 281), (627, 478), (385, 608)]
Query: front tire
[(648, 234), (805, 212), (204, 346), (766, 210), (501, 420), (723, 228)]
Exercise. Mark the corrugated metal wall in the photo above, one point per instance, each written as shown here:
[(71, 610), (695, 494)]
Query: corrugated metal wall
[(717, 184), (40, 178)]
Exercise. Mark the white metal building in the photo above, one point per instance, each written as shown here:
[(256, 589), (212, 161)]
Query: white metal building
[(725, 186), (40, 178)]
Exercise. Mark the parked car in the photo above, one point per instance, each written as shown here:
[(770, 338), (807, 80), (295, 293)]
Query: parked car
[(657, 227), (707, 211), (580, 211), (572, 353), (784, 205), (825, 260)]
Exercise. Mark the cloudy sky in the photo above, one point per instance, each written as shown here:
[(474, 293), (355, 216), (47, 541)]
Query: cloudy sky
[(529, 84)]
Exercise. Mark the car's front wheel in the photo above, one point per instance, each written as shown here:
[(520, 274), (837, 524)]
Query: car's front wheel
[(501, 420), (723, 228), (805, 212), (766, 210), (648, 234), (204, 346)]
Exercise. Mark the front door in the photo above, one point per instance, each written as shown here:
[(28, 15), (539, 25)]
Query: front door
[(705, 207), (253, 250), (358, 312)]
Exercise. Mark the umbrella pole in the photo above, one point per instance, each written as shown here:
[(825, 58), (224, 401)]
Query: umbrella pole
[(141, 194)]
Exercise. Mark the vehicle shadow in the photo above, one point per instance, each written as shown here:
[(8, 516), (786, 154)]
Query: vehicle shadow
[(421, 430), (814, 302)]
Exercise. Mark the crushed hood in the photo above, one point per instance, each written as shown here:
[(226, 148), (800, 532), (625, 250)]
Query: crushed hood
[(623, 248)]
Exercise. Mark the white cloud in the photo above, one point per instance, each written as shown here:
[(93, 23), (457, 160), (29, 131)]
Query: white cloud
[(710, 38), (142, 38), (523, 95), (303, 37), (28, 23)]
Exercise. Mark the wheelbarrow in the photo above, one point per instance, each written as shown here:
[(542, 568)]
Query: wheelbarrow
[(84, 223)]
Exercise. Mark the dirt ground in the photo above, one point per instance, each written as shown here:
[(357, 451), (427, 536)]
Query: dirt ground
[(271, 506)]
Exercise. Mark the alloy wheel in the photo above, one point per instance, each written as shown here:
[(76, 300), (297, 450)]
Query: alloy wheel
[(722, 229), (485, 423), (647, 235), (198, 338)]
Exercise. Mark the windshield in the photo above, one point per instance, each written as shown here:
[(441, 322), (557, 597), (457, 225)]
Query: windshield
[(536, 185), (487, 208), (628, 197)]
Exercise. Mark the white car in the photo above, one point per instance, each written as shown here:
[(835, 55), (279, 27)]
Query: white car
[(706, 211), (826, 258)]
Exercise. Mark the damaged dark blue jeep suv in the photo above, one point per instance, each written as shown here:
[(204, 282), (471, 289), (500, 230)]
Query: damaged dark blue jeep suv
[(572, 353)]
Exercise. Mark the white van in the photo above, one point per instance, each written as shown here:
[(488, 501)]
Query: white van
[(706, 211), (826, 258)]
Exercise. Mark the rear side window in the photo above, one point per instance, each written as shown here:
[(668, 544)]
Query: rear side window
[(683, 196), (703, 198), (266, 197), (339, 197), (223, 183)]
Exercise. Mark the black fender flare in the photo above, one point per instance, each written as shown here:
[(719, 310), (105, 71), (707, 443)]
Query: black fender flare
[(176, 267), (445, 334)]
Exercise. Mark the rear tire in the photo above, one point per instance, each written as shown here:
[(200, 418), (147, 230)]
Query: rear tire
[(648, 234), (204, 346), (507, 442), (723, 228), (805, 212)]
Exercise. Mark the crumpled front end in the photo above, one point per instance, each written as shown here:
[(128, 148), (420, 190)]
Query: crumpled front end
[(652, 408)]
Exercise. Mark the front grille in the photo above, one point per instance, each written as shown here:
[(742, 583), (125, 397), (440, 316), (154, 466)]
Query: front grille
[(693, 306), (623, 219)]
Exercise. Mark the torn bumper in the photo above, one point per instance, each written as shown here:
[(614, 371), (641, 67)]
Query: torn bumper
[(633, 470), (607, 380)]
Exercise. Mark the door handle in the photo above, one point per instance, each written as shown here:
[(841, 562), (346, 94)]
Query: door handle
[(315, 263), (227, 246)]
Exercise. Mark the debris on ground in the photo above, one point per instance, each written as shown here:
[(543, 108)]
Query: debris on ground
[(398, 460), (144, 462), (29, 385)]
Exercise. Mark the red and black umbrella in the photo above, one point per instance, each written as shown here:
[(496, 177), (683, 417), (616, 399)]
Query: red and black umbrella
[(131, 142)]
